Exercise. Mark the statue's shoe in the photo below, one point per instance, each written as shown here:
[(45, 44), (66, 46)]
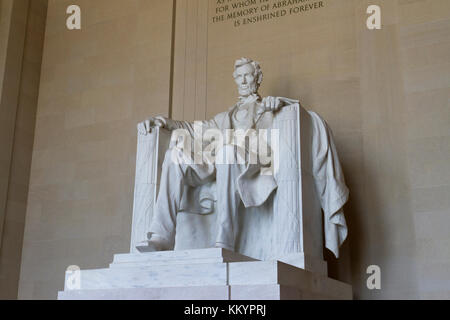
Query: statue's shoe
[(223, 246), (154, 244), (148, 246)]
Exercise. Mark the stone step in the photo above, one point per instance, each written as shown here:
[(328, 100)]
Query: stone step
[(160, 258), (276, 272), (169, 275), (249, 273), (252, 292), (180, 293)]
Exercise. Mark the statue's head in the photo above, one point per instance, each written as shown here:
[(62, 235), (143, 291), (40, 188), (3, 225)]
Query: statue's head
[(248, 76)]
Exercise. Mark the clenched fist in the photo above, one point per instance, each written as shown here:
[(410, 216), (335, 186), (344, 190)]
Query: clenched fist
[(272, 103), (146, 126)]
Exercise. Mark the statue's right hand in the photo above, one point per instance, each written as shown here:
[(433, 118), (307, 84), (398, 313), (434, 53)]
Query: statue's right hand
[(146, 126)]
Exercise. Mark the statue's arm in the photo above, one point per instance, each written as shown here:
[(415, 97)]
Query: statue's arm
[(146, 126), (189, 126)]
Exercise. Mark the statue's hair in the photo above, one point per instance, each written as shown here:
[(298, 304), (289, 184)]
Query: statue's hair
[(256, 66)]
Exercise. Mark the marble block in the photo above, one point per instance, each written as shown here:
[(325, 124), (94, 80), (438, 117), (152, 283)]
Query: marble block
[(278, 292), (199, 256), (179, 293), (307, 262), (204, 274), (267, 273)]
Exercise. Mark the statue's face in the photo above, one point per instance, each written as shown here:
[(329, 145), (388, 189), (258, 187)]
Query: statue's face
[(244, 77)]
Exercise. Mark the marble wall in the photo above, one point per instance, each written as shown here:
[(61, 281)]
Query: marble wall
[(385, 93), (96, 84), (367, 84), (424, 49), (21, 36)]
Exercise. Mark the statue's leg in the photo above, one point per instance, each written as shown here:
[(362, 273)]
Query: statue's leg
[(163, 226), (228, 200)]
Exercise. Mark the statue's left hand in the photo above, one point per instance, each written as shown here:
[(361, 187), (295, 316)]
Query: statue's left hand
[(146, 126), (272, 103)]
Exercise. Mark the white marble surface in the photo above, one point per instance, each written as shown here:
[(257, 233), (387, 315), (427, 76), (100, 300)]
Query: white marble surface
[(279, 292), (265, 292), (244, 280), (276, 272), (163, 269), (179, 293), (158, 258), (253, 292), (207, 274), (191, 255)]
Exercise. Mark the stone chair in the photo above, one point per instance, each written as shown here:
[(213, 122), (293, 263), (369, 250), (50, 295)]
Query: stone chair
[(280, 245), (287, 228)]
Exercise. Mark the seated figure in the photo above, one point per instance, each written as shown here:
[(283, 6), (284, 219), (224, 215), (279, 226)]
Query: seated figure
[(238, 181)]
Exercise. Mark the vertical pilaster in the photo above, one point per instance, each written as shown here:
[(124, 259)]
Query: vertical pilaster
[(190, 60)]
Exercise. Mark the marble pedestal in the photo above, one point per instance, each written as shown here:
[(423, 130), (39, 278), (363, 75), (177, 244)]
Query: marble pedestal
[(205, 274)]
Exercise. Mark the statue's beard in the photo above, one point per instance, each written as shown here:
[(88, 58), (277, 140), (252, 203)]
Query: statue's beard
[(245, 91)]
